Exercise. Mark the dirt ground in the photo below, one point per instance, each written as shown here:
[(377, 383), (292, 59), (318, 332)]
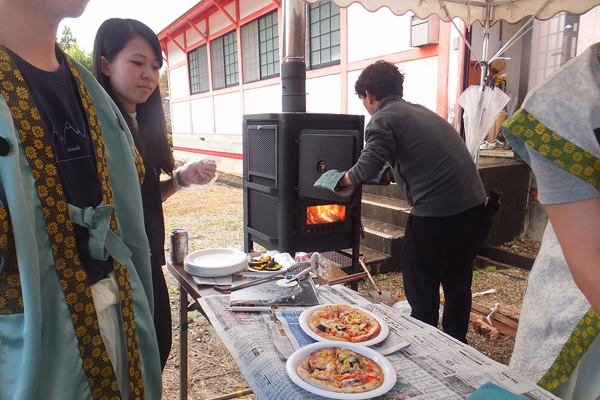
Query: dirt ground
[(214, 218)]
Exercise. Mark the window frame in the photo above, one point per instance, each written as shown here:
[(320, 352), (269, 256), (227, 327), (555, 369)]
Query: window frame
[(251, 34), (309, 37), (224, 56), (275, 40), (197, 68)]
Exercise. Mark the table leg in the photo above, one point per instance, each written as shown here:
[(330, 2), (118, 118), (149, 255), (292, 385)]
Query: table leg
[(183, 345)]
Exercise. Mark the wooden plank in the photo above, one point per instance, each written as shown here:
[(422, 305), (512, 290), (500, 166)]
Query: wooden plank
[(497, 316)]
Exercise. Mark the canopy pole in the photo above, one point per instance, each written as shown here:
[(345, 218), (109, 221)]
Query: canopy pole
[(514, 37), (486, 40), (484, 70), (445, 8)]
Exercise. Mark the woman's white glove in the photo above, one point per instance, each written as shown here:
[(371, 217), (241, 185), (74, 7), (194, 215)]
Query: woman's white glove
[(199, 172)]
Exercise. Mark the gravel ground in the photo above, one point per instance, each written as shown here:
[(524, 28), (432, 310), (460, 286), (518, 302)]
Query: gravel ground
[(214, 218)]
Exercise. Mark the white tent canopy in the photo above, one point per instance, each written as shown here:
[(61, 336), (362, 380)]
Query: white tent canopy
[(511, 11), (487, 12)]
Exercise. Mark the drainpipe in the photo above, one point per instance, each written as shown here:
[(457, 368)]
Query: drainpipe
[(293, 62)]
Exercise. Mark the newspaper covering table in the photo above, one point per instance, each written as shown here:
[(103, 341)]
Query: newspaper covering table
[(434, 366)]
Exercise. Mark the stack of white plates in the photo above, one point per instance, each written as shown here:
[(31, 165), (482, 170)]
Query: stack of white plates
[(215, 262)]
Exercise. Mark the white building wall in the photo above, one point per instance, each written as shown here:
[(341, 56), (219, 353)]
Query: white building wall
[(193, 36), (392, 33), (589, 29), (228, 115), (420, 81), (323, 94), (418, 86), (178, 84), (180, 118), (219, 21), (263, 100), (174, 53), (249, 7), (355, 105), (202, 116)]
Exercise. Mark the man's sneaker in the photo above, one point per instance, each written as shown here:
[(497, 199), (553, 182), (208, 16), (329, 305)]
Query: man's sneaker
[(486, 145)]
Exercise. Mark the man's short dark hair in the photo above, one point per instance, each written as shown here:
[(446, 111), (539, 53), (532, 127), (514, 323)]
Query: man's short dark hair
[(381, 79)]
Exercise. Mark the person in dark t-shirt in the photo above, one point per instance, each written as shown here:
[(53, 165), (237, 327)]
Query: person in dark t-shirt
[(75, 275)]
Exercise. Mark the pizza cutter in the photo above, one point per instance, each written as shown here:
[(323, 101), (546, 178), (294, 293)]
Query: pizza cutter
[(382, 296)]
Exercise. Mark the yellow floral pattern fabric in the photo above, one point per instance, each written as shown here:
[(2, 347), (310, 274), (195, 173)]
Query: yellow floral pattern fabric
[(581, 339), (563, 153), (584, 165), (139, 164), (73, 278), (11, 295)]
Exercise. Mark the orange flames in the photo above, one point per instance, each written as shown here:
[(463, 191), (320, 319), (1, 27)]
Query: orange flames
[(325, 214)]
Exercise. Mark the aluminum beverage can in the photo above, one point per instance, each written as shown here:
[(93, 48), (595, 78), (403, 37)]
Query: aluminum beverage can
[(179, 245)]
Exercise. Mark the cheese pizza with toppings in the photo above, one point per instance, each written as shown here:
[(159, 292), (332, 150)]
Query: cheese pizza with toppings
[(344, 323), (340, 370)]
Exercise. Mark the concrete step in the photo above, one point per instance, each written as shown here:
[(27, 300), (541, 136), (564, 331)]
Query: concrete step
[(382, 237), (385, 209), (378, 262), (390, 190)]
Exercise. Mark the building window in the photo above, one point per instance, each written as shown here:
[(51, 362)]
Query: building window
[(324, 34), (260, 48), (553, 43), (269, 45), (250, 52), (224, 60), (198, 64)]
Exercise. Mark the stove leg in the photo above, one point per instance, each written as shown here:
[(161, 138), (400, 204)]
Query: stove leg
[(355, 257)]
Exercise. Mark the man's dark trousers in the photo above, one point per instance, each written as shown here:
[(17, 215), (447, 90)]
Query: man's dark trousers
[(441, 250)]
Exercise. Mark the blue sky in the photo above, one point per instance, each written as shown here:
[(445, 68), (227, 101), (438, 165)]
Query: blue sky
[(157, 14)]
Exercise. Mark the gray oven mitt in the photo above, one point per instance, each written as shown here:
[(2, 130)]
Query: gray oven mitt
[(329, 181)]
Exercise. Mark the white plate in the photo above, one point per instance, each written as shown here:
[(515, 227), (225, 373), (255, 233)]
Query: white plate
[(298, 356), (213, 273), (215, 258), (215, 262), (305, 317)]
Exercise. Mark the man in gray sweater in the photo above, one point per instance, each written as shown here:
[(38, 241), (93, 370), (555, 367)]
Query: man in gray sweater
[(438, 178)]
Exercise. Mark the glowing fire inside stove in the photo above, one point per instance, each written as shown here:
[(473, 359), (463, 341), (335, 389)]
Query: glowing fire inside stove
[(325, 214)]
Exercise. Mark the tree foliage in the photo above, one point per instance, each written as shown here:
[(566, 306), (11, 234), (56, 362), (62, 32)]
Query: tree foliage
[(163, 84), (67, 40), (84, 57), (69, 44)]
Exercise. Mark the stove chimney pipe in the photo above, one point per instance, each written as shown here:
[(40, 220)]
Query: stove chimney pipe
[(293, 64)]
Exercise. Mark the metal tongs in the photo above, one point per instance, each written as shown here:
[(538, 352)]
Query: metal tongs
[(298, 277)]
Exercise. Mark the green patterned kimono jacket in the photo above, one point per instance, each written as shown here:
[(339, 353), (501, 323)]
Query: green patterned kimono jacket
[(50, 343)]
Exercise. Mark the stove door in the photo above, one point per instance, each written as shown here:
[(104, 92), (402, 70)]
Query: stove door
[(321, 151)]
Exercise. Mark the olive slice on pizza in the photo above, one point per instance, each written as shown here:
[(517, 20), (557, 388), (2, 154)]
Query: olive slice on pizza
[(344, 323), (340, 370)]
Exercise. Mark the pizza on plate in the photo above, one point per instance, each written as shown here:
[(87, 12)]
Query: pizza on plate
[(343, 322), (340, 370)]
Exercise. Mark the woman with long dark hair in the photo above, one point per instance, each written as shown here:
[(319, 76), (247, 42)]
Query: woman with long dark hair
[(127, 60)]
